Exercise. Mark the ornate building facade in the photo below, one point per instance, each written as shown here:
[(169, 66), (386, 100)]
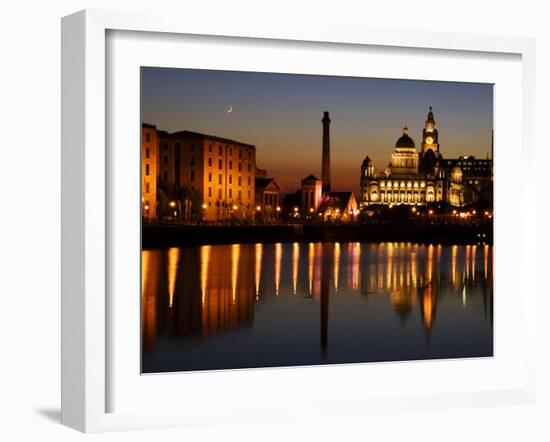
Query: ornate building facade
[(419, 178), (268, 192)]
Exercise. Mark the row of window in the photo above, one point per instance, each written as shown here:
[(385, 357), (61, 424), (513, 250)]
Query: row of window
[(230, 194), (192, 163), (403, 184), (220, 180), (396, 197), (192, 177), (229, 152), (229, 204), (220, 164), (210, 149)]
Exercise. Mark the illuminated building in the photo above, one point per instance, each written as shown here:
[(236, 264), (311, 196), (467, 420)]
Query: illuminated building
[(149, 149), (267, 197), (311, 194), (203, 176), (338, 206), (419, 178), (310, 202)]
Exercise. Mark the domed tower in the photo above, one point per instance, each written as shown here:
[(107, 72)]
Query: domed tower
[(369, 183), (404, 159), (367, 168), (430, 135)]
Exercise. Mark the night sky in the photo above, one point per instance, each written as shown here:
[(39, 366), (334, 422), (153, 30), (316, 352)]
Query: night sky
[(281, 115)]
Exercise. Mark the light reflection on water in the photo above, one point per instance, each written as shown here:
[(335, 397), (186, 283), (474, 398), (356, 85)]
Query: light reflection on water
[(255, 305)]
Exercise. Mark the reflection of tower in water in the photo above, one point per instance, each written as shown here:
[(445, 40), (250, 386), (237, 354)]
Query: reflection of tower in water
[(173, 262), (149, 276), (278, 258), (235, 255), (295, 263), (205, 260), (258, 268), (402, 287), (428, 310), (487, 287), (325, 291), (336, 264), (428, 294), (356, 258), (454, 253), (474, 250), (311, 266)]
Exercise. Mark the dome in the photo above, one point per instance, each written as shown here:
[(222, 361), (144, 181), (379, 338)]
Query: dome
[(405, 140)]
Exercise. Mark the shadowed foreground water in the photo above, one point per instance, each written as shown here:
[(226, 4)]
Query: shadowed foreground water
[(259, 305)]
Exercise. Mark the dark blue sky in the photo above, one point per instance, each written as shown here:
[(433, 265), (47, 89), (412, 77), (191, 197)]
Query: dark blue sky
[(281, 114)]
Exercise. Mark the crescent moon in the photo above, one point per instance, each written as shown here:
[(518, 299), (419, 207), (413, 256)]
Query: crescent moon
[(229, 110)]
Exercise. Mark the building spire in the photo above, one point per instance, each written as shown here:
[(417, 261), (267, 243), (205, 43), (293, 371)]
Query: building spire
[(325, 167), (430, 114)]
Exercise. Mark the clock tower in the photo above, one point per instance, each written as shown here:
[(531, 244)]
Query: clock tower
[(430, 135)]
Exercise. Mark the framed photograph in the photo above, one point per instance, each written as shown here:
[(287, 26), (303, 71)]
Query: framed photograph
[(275, 223)]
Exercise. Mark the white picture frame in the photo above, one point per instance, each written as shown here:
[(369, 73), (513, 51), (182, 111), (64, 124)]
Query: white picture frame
[(86, 352)]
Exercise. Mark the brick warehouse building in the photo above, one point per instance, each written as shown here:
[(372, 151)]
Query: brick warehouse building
[(149, 164), (197, 176)]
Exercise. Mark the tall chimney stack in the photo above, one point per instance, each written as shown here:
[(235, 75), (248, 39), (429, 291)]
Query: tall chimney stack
[(325, 170)]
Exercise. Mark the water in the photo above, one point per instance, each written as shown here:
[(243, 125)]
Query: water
[(263, 305)]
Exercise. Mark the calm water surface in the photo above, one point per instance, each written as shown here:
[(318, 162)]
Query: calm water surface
[(258, 305)]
